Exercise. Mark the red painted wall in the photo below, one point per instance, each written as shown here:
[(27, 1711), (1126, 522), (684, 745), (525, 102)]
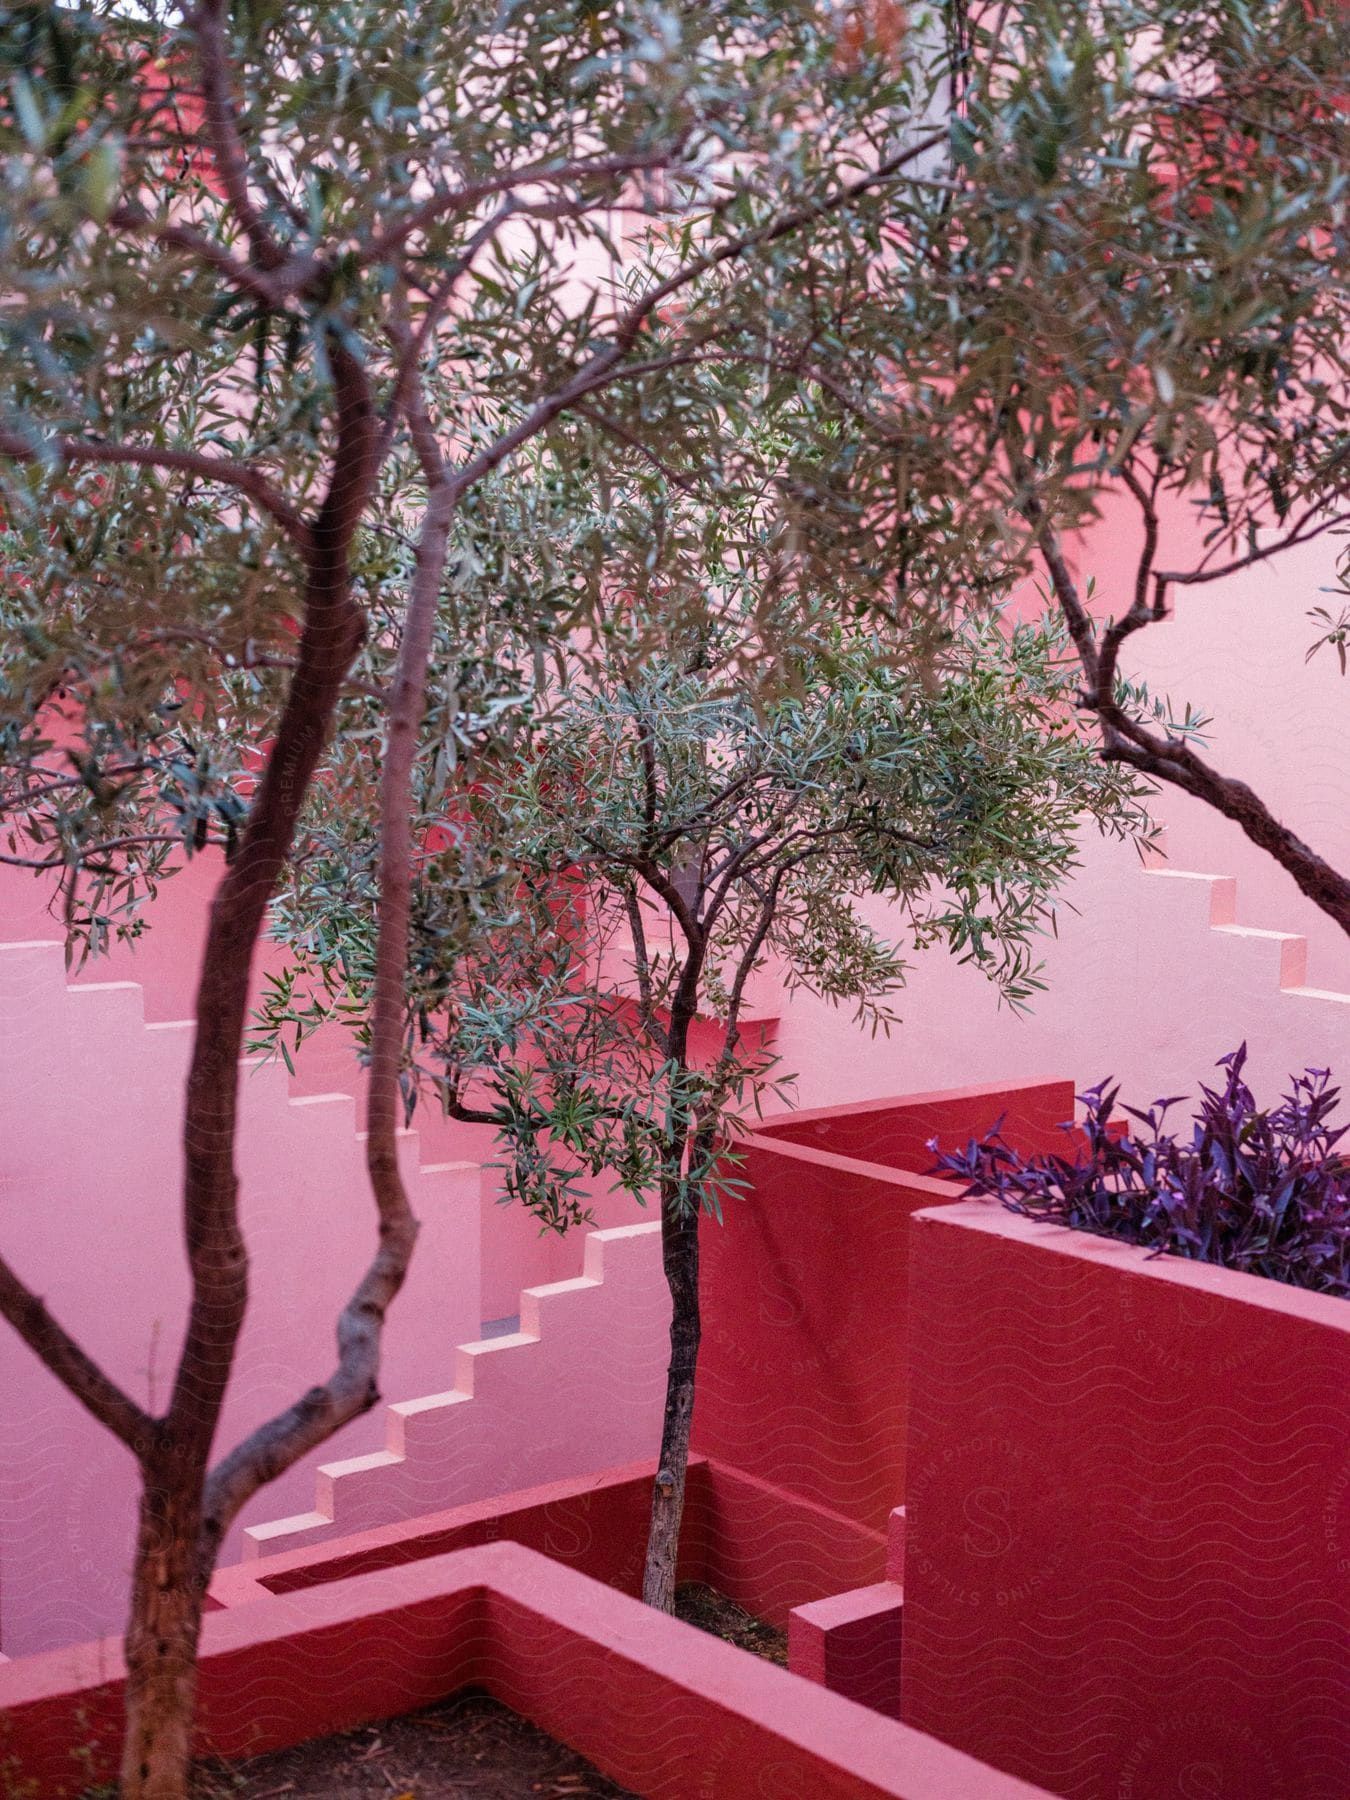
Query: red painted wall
[(801, 1372), (897, 1133), (752, 1541), (1127, 1559), (666, 1710)]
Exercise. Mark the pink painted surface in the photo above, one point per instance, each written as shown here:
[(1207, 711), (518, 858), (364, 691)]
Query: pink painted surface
[(1127, 1562), (90, 1103), (578, 1389), (592, 1523), (1238, 649), (164, 963), (90, 1096), (801, 1380), (89, 1187), (770, 1550), (165, 960), (666, 1710), (897, 1132), (851, 1641), (1158, 972), (851, 1644)]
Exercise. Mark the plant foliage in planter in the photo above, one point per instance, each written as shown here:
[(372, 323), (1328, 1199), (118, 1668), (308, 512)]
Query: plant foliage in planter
[(1266, 1191)]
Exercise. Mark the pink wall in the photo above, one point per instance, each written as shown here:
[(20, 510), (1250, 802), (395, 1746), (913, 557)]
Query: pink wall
[(1150, 982), (898, 1132), (1156, 975), (89, 1214), (1127, 1559), (801, 1381), (578, 1389), (1238, 649), (766, 1548), (164, 962), (89, 1211), (1141, 986)]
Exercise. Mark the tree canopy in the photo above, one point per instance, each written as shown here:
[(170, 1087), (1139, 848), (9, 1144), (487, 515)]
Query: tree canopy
[(667, 823)]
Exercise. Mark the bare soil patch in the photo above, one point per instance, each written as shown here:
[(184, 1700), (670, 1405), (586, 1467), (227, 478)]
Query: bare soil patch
[(468, 1747), (712, 1611)]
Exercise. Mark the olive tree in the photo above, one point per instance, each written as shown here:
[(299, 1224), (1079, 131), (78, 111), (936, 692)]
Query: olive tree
[(281, 287), (670, 821), (1124, 287)]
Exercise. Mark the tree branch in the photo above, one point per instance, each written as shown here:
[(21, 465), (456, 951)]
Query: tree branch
[(641, 962), (222, 130), (242, 276), (1140, 613), (331, 634), (650, 787), (739, 860), (242, 476), (744, 969), (74, 1369), (412, 345), (1065, 590), (472, 1115), (622, 435), (353, 1386), (1127, 741), (1303, 533), (631, 322), (473, 193), (104, 848)]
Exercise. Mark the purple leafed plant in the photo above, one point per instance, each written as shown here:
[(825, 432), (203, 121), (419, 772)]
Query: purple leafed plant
[(1265, 1191)]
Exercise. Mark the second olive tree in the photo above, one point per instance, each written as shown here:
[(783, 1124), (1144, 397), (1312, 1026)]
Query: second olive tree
[(669, 824)]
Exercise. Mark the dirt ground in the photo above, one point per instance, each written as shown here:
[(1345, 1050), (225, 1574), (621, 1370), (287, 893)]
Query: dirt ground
[(711, 1611), (468, 1747)]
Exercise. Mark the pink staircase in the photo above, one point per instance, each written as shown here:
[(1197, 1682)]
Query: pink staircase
[(90, 1102), (1279, 956), (90, 1109), (578, 1389)]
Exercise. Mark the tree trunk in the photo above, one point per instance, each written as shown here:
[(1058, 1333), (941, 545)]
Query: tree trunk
[(167, 1596), (679, 1253)]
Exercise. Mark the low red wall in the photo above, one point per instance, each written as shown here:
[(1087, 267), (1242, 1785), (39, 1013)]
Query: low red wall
[(1127, 1558), (593, 1524), (897, 1133), (761, 1546), (851, 1643), (665, 1710), (801, 1369)]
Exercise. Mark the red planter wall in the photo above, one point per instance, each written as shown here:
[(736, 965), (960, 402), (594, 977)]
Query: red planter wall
[(896, 1133), (751, 1540), (801, 1370), (1127, 1564), (666, 1710)]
